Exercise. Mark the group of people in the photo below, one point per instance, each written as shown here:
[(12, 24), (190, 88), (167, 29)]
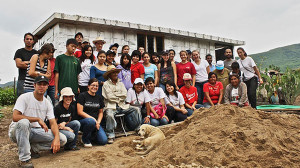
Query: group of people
[(88, 88)]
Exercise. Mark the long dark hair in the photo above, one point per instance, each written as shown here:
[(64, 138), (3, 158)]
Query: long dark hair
[(162, 62), (46, 48), (124, 47), (151, 59), (83, 56), (240, 48), (171, 84), (127, 67)]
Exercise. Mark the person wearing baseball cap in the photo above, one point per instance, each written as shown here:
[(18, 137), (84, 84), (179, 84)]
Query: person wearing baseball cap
[(222, 73), (190, 94), (29, 113), (64, 113), (110, 58), (114, 94)]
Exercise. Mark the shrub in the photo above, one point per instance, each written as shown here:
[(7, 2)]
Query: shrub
[(7, 96)]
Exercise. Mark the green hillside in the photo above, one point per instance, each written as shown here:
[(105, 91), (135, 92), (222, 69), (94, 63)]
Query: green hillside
[(283, 57)]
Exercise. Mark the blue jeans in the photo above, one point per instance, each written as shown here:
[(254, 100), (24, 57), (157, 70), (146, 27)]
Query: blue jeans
[(51, 92), (90, 132), (190, 111), (162, 86), (111, 123), (20, 87), (158, 122), (35, 138), (199, 86), (71, 137)]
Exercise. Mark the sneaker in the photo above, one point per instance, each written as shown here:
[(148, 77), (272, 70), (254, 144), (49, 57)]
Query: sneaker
[(26, 164), (86, 145), (110, 140), (34, 155), (72, 149)]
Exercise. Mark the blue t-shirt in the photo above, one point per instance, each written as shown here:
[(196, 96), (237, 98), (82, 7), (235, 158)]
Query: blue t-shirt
[(150, 71)]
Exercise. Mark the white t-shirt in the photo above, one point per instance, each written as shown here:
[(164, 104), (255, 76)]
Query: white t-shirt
[(246, 66), (201, 73), (175, 101), (156, 96), (29, 106), (235, 95), (84, 76), (143, 97)]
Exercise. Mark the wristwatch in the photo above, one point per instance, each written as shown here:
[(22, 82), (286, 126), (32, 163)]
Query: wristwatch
[(38, 73), (148, 116)]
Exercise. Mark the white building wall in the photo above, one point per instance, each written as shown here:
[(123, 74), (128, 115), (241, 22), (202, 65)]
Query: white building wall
[(59, 34)]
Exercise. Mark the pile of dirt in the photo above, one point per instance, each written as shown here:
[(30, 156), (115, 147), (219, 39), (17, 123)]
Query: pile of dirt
[(229, 136)]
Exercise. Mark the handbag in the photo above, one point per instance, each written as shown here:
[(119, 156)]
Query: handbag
[(159, 110)]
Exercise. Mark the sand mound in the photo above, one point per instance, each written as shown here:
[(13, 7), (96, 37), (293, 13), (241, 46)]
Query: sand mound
[(228, 136)]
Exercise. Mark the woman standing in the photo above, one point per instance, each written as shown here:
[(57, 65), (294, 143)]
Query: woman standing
[(175, 103), (90, 109), (39, 66), (155, 58), (172, 56), (150, 69), (202, 70), (236, 92), (185, 67), (125, 49), (166, 71), (213, 91), (137, 69), (98, 70), (251, 74), (86, 60), (125, 74)]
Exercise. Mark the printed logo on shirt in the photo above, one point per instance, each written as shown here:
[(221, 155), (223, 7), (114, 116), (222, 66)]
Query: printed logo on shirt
[(91, 104), (65, 115), (190, 96)]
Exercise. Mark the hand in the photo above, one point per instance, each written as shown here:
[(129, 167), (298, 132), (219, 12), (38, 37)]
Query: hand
[(184, 111), (78, 90), (55, 145), (261, 81), (68, 129), (177, 88), (94, 119), (62, 125), (218, 104), (156, 115), (43, 125), (97, 125), (193, 107), (147, 120), (56, 94), (166, 118)]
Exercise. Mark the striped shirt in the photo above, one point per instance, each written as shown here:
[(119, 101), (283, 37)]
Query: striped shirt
[(29, 81)]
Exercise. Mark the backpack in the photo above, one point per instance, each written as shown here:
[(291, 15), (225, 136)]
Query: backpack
[(131, 121)]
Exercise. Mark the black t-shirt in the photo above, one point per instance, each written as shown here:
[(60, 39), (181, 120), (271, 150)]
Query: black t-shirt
[(24, 55), (91, 104), (64, 115)]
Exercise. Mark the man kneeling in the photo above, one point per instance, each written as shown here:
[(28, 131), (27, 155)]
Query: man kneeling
[(28, 128)]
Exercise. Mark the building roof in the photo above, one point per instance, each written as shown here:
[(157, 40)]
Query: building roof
[(77, 19)]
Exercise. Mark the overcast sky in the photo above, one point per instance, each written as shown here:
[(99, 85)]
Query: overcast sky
[(263, 24)]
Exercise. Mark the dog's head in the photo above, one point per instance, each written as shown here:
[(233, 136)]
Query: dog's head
[(144, 130)]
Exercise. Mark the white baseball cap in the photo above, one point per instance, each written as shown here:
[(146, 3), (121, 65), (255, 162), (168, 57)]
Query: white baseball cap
[(138, 80)]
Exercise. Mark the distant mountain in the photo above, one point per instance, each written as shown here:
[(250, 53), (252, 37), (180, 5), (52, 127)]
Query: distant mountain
[(11, 83), (283, 57)]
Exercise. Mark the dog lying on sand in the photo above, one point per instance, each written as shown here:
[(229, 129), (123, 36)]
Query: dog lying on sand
[(154, 136)]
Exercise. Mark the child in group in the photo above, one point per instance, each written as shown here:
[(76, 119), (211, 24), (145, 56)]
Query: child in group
[(236, 69), (125, 74), (137, 69), (190, 94)]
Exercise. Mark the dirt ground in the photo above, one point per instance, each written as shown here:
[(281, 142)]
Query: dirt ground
[(223, 136)]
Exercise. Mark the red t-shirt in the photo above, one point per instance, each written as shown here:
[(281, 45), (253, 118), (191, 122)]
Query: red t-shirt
[(136, 71), (182, 69), (214, 91), (78, 53), (52, 79), (190, 95)]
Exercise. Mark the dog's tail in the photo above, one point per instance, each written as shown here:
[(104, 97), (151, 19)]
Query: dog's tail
[(147, 151)]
